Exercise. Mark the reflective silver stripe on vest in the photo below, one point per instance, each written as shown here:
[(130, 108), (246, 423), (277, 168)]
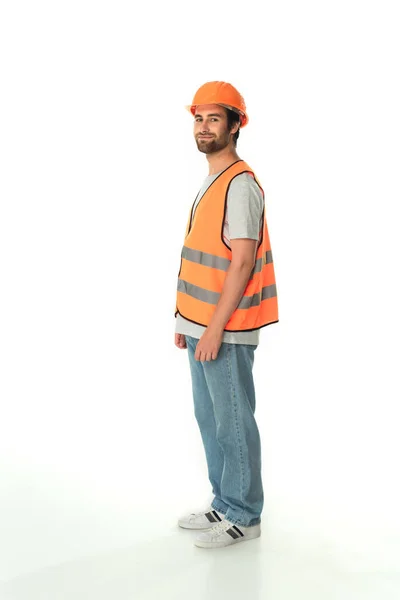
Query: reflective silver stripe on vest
[(203, 258), (197, 292), (217, 262), (269, 291), (263, 260)]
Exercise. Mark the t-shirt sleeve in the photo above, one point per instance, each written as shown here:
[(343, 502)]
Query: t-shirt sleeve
[(244, 209)]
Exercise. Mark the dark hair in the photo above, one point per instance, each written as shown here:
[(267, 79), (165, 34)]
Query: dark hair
[(233, 118)]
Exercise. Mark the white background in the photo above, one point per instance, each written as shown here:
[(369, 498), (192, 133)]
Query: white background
[(98, 172)]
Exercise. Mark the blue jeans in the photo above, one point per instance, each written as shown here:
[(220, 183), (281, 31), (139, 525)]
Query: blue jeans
[(224, 406)]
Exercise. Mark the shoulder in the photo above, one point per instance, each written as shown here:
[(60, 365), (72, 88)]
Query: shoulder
[(245, 181), (244, 188)]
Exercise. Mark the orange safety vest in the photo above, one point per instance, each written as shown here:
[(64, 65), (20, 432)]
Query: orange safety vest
[(205, 258)]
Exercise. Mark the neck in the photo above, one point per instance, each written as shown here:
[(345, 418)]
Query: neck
[(218, 161)]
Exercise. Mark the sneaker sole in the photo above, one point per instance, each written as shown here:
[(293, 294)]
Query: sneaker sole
[(247, 538), (195, 527)]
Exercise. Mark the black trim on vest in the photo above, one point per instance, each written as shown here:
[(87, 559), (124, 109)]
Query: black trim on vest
[(227, 330), (222, 172), (191, 211), (226, 204)]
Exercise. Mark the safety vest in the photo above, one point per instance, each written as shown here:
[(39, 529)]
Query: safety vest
[(205, 259)]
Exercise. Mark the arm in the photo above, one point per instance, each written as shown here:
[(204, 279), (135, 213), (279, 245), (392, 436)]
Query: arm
[(243, 258), (237, 276)]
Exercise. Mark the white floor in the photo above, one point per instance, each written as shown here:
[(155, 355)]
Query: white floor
[(59, 542)]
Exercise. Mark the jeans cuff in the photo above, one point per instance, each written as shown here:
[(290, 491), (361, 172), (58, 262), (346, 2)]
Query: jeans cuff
[(220, 510)]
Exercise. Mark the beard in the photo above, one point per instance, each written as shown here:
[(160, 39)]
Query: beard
[(212, 145)]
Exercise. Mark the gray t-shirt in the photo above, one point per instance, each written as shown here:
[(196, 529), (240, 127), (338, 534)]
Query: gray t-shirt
[(243, 220)]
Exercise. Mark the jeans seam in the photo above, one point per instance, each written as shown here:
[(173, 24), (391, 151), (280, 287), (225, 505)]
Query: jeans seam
[(234, 404)]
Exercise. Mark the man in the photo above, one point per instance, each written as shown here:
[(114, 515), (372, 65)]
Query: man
[(226, 293)]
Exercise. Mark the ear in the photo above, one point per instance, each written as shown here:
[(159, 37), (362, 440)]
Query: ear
[(234, 128)]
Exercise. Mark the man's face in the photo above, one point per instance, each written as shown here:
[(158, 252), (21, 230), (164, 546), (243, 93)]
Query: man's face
[(211, 128)]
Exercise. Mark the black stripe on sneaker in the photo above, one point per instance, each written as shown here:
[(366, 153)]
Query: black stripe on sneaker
[(238, 530), (216, 515), (210, 517), (232, 533)]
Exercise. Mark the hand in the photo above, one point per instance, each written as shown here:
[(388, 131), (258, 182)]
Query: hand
[(180, 341), (208, 345)]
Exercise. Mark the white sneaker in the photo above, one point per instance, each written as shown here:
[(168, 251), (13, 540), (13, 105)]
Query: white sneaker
[(201, 520), (225, 534)]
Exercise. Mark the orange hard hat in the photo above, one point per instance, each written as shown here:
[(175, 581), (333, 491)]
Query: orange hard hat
[(220, 92)]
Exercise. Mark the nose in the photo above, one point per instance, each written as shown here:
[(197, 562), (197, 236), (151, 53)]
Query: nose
[(204, 128)]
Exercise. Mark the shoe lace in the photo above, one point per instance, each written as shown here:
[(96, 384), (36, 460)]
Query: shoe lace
[(194, 516), (198, 514), (219, 527)]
